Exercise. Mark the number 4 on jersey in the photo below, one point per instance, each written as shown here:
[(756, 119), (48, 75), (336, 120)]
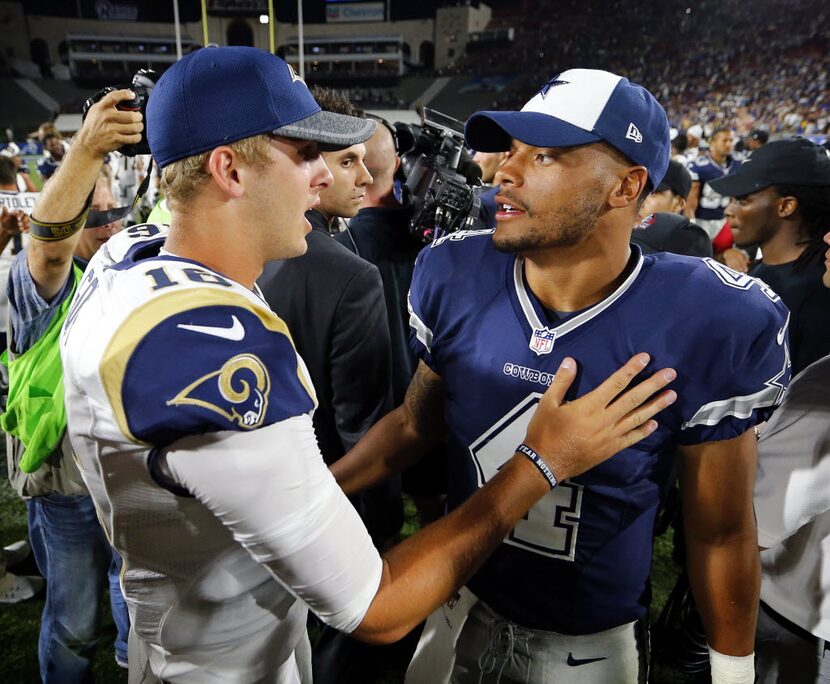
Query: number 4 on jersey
[(551, 527)]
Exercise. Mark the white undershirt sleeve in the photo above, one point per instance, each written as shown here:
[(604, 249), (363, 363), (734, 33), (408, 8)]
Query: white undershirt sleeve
[(272, 490)]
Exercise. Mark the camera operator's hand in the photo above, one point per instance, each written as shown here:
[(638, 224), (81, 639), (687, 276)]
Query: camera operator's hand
[(574, 437), (107, 128)]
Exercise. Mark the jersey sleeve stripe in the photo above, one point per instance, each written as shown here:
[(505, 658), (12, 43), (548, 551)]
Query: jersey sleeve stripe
[(133, 330), (739, 407), (422, 332)]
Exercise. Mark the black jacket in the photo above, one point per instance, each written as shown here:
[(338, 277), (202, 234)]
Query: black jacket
[(381, 237), (332, 302)]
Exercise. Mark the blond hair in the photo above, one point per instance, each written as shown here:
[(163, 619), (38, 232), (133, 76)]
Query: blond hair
[(180, 180)]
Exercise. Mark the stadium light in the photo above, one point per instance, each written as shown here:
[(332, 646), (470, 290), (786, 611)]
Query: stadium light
[(263, 18)]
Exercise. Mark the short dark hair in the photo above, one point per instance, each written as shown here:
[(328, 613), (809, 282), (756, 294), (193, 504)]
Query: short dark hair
[(721, 129), (814, 208), (332, 101), (8, 171)]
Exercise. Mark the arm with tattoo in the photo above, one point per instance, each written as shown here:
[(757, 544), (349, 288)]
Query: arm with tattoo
[(400, 438)]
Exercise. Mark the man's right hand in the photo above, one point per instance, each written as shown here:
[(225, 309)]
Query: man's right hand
[(576, 436), (107, 128)]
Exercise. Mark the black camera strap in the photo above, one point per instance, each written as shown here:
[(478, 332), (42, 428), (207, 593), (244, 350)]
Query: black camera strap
[(88, 218), (96, 219)]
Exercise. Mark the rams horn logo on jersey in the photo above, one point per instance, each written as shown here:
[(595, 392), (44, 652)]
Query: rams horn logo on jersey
[(238, 391)]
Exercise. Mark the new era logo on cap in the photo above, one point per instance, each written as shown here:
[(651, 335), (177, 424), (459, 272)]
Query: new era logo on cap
[(579, 107), (634, 133)]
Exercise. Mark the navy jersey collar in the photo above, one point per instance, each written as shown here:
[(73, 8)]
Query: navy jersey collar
[(531, 312)]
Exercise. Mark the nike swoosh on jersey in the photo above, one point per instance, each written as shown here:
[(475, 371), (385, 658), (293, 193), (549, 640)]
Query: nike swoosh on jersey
[(235, 333), (780, 337), (574, 662)]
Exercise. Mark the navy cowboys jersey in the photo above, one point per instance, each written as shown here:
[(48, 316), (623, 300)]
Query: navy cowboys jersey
[(579, 561), (711, 204)]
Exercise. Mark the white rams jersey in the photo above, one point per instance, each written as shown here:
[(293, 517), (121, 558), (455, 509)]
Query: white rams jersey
[(189, 411)]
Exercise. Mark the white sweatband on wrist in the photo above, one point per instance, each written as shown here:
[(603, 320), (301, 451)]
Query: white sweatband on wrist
[(728, 669), (539, 462)]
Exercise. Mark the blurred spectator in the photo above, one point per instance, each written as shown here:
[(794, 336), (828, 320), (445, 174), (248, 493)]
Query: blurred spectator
[(758, 138), (23, 181), (14, 226), (693, 136), (54, 150), (705, 205), (781, 202), (678, 148), (670, 196)]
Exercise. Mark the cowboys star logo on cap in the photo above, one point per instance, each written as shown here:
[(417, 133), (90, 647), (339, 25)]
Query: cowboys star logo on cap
[(597, 106), (555, 81)]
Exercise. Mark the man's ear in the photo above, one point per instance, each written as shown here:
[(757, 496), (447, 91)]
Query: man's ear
[(787, 206), (629, 187), (223, 166)]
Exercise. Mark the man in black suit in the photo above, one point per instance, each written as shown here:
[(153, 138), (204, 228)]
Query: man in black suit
[(333, 304)]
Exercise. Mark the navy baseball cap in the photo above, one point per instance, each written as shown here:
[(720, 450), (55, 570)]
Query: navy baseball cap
[(582, 106), (787, 162), (218, 95)]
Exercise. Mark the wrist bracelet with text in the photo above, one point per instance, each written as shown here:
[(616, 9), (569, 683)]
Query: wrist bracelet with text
[(41, 230), (539, 463)]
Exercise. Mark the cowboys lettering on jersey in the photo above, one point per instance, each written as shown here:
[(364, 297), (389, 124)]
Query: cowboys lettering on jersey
[(579, 562)]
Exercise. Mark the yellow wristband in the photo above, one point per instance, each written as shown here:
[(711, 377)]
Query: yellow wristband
[(61, 230)]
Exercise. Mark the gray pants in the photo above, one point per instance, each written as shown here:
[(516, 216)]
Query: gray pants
[(786, 656), (491, 649)]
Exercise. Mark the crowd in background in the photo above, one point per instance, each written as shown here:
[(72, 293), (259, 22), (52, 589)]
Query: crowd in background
[(712, 63)]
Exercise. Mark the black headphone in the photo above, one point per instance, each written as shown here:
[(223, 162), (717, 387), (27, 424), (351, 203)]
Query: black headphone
[(389, 127)]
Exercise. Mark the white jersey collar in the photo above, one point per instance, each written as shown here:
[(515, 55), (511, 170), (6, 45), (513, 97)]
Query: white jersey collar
[(534, 320)]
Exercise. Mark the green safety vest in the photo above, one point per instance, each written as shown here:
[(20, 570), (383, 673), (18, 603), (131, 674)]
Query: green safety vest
[(160, 213), (35, 413)]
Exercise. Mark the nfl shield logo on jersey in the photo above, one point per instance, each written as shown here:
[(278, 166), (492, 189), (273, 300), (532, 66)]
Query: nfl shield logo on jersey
[(542, 341)]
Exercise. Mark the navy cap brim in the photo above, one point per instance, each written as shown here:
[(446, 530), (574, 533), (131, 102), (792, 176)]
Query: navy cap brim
[(739, 184), (494, 131), (332, 131)]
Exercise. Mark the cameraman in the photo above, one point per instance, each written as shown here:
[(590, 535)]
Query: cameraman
[(69, 545)]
